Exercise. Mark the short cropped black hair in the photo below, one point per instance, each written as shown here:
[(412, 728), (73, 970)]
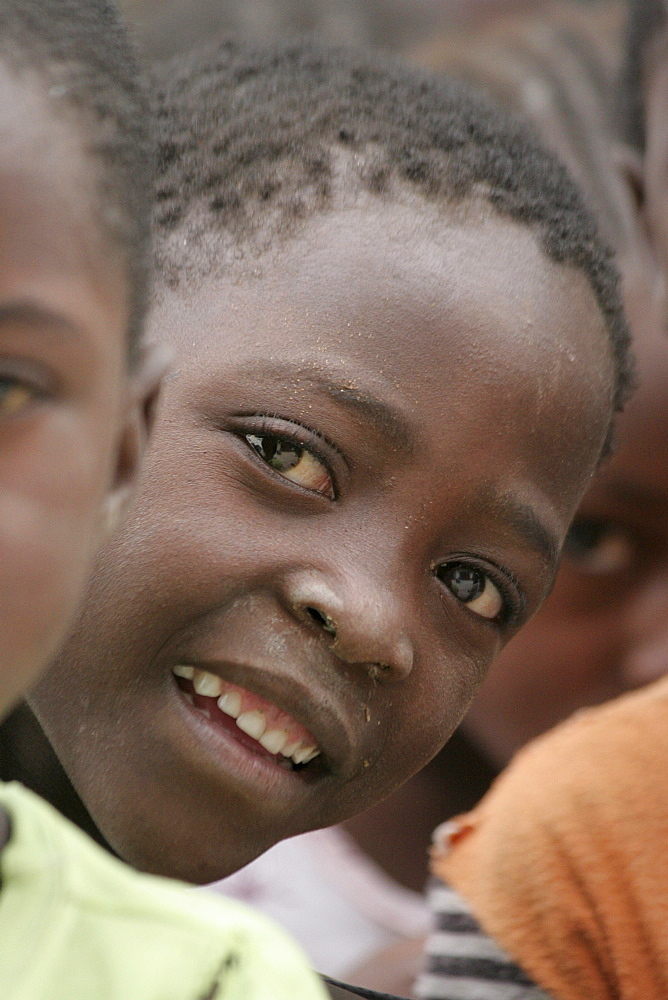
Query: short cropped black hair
[(79, 52), (249, 135), (646, 19)]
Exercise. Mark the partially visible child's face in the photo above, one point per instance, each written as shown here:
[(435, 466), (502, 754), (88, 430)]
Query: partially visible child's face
[(654, 207), (604, 628), (64, 391), (363, 469)]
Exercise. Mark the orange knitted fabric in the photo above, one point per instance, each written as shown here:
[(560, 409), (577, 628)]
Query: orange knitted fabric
[(565, 861)]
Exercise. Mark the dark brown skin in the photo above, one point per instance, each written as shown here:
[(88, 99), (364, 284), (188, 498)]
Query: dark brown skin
[(72, 420), (603, 629), (493, 362), (5, 828)]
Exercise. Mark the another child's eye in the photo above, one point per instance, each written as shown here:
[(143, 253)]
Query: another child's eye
[(473, 587), (293, 461), (14, 396), (598, 547)]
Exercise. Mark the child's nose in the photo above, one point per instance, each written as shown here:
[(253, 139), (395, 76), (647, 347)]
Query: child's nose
[(360, 626), (646, 656)]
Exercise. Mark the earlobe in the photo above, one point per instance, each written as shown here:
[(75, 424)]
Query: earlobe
[(150, 370), (144, 391)]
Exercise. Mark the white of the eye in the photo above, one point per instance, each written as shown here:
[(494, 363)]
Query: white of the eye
[(309, 471), (489, 603)]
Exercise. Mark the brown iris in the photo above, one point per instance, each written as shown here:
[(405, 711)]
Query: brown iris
[(292, 461)]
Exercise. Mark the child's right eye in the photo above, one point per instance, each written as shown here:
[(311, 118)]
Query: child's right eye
[(293, 461), (14, 396)]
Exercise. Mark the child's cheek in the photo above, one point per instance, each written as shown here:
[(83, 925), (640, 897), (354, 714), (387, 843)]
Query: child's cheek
[(50, 522), (39, 579)]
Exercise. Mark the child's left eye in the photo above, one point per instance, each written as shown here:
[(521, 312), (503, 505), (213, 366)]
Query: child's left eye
[(473, 587), (14, 396), (292, 461)]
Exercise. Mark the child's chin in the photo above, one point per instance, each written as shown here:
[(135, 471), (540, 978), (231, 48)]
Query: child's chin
[(200, 833), (193, 859)]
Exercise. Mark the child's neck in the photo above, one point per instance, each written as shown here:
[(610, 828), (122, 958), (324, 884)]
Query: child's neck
[(5, 828), (27, 756)]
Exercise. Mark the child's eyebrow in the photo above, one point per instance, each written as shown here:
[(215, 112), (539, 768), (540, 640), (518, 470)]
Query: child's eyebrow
[(382, 415), (524, 520), (35, 316), (385, 418)]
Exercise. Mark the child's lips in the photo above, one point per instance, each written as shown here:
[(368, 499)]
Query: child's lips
[(266, 727), (301, 691)]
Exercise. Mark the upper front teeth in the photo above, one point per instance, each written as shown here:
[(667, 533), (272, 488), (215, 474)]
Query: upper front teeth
[(275, 740), (253, 723), (207, 684), (230, 703), (183, 670)]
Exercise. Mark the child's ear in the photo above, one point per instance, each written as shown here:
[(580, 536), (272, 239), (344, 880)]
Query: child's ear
[(145, 382), (629, 166), (630, 169)]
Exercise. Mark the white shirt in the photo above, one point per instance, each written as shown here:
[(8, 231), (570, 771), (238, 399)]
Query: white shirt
[(329, 895)]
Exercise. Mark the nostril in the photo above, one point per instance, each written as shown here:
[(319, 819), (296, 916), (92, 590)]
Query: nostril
[(321, 619)]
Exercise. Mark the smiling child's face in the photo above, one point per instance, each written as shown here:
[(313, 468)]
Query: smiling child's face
[(65, 443), (363, 468)]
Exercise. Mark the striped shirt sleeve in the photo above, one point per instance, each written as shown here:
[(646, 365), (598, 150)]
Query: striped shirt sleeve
[(462, 962)]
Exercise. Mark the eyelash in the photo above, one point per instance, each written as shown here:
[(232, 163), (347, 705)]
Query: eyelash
[(34, 376)]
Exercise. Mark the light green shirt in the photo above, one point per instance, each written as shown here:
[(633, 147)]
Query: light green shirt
[(76, 924)]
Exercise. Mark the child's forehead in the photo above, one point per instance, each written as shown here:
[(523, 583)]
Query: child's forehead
[(407, 261), (40, 137), (29, 104), (54, 256)]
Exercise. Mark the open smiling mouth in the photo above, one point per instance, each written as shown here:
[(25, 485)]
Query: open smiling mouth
[(252, 721)]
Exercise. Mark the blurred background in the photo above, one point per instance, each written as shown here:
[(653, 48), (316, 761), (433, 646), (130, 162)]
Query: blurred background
[(165, 26)]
